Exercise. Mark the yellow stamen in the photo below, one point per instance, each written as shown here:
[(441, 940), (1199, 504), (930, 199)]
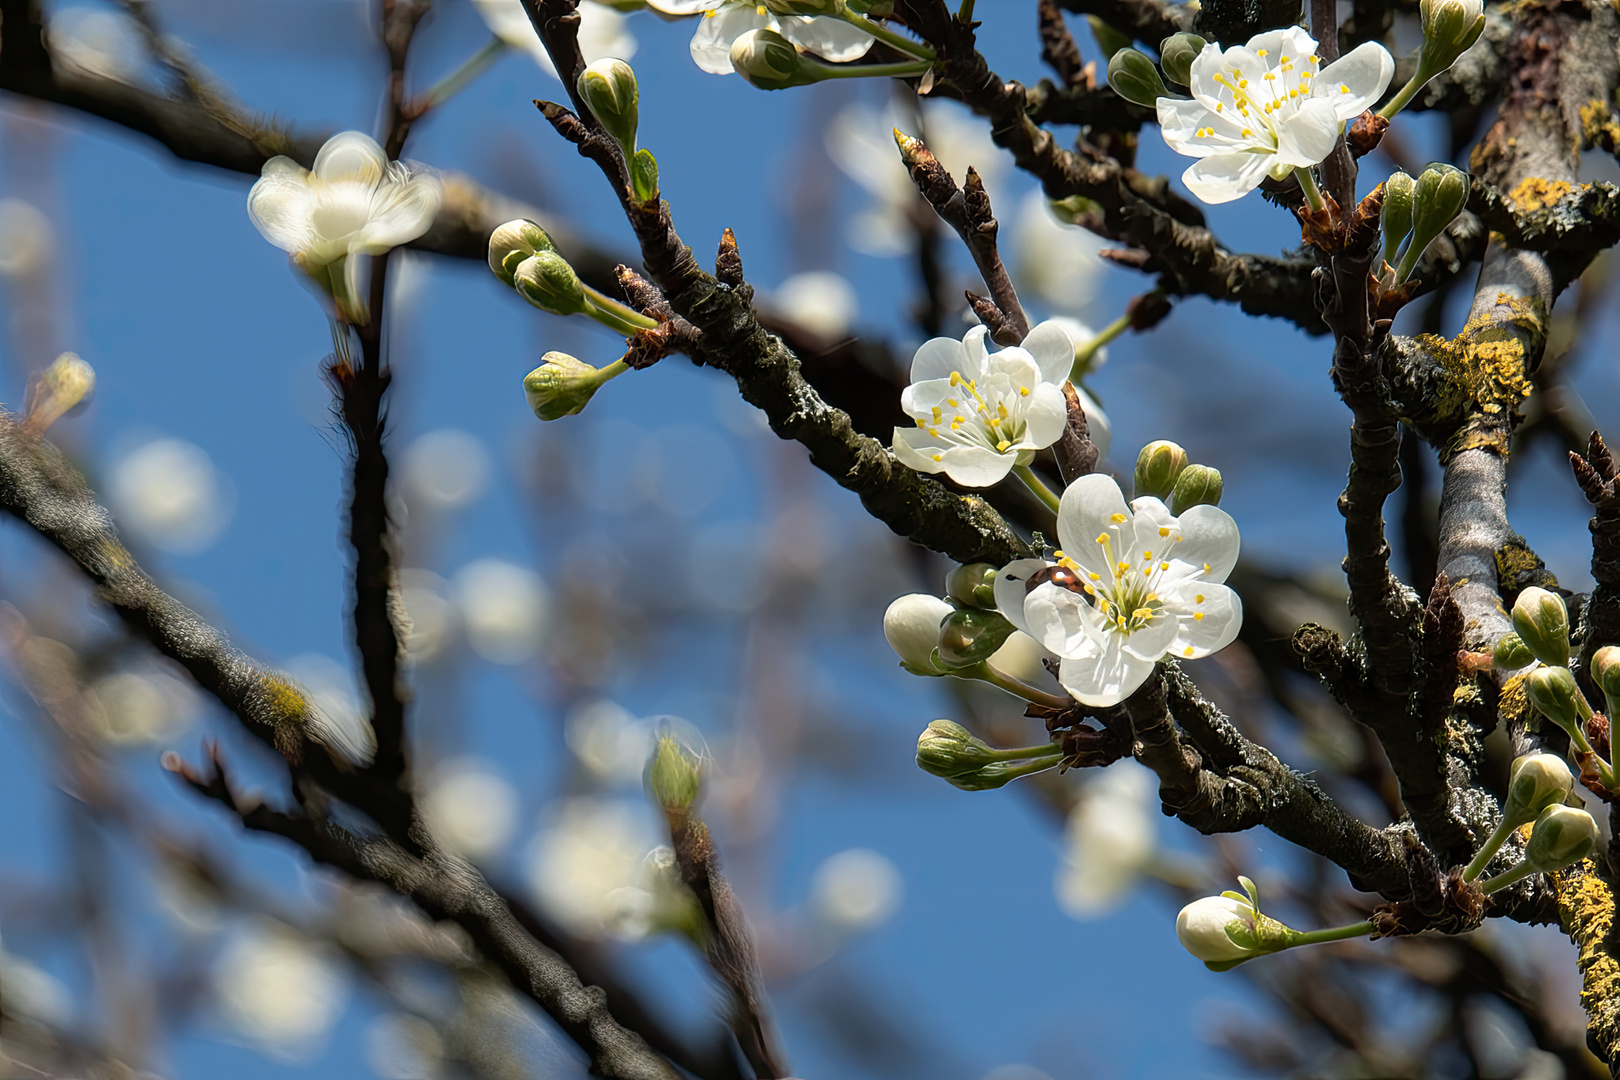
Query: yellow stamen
[(1117, 519), (1198, 616)]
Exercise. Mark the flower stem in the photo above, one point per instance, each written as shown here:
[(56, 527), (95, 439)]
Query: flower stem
[(887, 36), (899, 70), (1409, 262), (1408, 92), (1045, 750), (1307, 184), (964, 14), (1476, 865), (1084, 354), (1509, 877), (1038, 486), (614, 315), (1332, 933), (1017, 688), (453, 83)]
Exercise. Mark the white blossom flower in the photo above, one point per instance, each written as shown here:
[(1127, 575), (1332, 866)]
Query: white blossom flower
[(1110, 841), (1265, 108), (820, 301), (279, 990), (353, 202), (656, 902), (1055, 260), (26, 239), (1206, 928), (104, 43), (590, 848), (860, 140), (724, 21), (168, 493), (444, 471), (855, 890), (503, 606), (602, 32), (469, 808), (1130, 585), (980, 413)]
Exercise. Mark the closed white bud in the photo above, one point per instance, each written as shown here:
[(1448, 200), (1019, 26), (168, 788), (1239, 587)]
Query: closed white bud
[(1218, 929), (1542, 621), (768, 60), (1562, 835), (911, 625), (560, 386), (1536, 782), (513, 242), (62, 386), (1450, 28), (609, 88)]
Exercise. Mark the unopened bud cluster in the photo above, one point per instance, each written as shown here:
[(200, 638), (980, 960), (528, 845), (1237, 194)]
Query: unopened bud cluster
[(1164, 472), (1417, 211), (948, 750)]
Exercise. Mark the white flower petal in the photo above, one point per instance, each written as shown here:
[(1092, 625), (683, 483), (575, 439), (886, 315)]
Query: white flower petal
[(936, 359), (1222, 613), (711, 44), (1047, 418), (828, 37), (406, 212), (1062, 621), (683, 7), (916, 450), (1181, 122), (279, 204), (975, 353), (1053, 349), (1010, 589), (1209, 537), (1107, 680), (1356, 80), (1152, 641), (1308, 136), (1087, 510), (1224, 177), (351, 155), (978, 466)]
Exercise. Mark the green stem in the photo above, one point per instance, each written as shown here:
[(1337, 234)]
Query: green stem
[(1084, 354), (614, 315), (1476, 865), (964, 14), (453, 83), (611, 371), (887, 36), (1409, 261), (1045, 750), (1408, 92), (1017, 688), (1334, 933), (1307, 184), (1038, 486), (1503, 880), (899, 70), (1030, 769)]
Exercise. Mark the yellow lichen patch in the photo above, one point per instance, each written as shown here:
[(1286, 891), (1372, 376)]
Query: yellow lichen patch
[(1466, 694), (1484, 367), (285, 699), (1512, 704), (1599, 126), (1515, 561), (116, 554), (1586, 910), (1538, 194)]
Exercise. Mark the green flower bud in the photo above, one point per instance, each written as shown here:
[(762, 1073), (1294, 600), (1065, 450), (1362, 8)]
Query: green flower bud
[(1450, 28), (1553, 692), (1605, 671), (1562, 835), (973, 584), (1438, 196), (998, 774), (1134, 78), (644, 175), (673, 776), (947, 749), (1176, 55), (1397, 214), (1535, 782), (609, 88), (1109, 40), (1197, 484), (1542, 621), (514, 242), (560, 386), (1158, 466), (970, 635), (1510, 653), (547, 281), (768, 60), (911, 627)]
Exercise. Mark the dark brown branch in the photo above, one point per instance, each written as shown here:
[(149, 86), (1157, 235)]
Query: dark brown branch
[(967, 210), (1147, 21)]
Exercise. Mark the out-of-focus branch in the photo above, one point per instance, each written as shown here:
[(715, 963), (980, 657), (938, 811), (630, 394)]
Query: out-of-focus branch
[(1149, 21)]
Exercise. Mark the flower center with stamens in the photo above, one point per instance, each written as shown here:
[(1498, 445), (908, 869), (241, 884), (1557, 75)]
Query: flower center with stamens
[(1128, 596)]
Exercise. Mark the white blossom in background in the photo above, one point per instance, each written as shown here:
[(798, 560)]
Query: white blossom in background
[(168, 493), (602, 31), (1265, 109), (724, 21), (26, 239), (400, 1046), (1147, 584), (979, 413), (444, 471), (587, 849), (609, 741), (658, 901), (97, 40), (353, 202), (860, 141), (1110, 839), (855, 891), (143, 707), (1054, 260), (34, 993), (820, 301), (340, 715), (279, 990), (503, 607), (468, 806), (430, 615)]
